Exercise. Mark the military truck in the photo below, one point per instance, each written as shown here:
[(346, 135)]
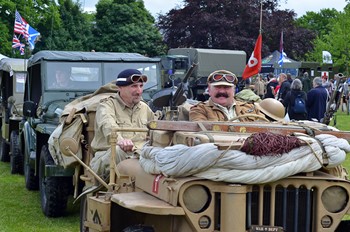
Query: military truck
[(12, 78), (178, 61), (44, 102), (182, 181)]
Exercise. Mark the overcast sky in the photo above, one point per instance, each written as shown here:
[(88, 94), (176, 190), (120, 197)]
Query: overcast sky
[(299, 6)]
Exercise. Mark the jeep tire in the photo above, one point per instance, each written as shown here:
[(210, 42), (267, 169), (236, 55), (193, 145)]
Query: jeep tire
[(54, 191), (16, 158)]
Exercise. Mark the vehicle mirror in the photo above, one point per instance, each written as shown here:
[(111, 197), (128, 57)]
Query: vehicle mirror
[(29, 109)]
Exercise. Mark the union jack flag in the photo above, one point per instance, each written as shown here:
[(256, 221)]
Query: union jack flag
[(21, 26), (16, 43)]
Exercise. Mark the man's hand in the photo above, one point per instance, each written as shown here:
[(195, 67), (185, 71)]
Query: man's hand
[(126, 145)]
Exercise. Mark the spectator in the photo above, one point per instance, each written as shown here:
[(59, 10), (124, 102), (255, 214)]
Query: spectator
[(289, 100), (285, 87), (259, 87), (306, 82), (316, 101), (270, 87)]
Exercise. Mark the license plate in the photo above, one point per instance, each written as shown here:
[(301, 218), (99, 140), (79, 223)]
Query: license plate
[(266, 229)]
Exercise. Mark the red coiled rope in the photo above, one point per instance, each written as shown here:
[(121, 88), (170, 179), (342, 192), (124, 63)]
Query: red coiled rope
[(269, 144)]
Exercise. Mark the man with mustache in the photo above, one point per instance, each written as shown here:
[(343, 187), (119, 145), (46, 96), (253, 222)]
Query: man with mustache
[(222, 106), (125, 109)]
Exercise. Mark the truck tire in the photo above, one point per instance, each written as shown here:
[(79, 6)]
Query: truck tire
[(16, 158), (5, 149), (83, 213), (31, 180), (54, 191)]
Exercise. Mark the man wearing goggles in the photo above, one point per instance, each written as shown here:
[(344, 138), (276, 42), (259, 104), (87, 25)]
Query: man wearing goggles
[(222, 106), (125, 109)]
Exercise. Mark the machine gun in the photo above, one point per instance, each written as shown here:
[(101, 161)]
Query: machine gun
[(171, 97), (334, 100), (182, 88)]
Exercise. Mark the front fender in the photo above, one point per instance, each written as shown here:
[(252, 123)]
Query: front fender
[(28, 141)]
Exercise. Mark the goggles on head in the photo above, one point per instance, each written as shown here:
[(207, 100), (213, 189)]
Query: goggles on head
[(216, 77), (137, 78)]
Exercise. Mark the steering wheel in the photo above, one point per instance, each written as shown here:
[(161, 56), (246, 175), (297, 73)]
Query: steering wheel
[(250, 115)]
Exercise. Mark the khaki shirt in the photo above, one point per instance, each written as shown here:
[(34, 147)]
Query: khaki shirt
[(208, 111), (112, 112)]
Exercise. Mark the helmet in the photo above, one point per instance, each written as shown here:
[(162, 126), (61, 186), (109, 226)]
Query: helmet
[(272, 108)]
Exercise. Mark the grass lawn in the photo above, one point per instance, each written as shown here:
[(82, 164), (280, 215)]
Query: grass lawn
[(21, 212)]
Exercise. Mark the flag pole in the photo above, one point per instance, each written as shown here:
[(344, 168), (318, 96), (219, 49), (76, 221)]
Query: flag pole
[(260, 29)]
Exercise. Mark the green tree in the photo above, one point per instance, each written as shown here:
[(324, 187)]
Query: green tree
[(234, 24), (318, 22), (126, 26), (69, 30), (336, 41)]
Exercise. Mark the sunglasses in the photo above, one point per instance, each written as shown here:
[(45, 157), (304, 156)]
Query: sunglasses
[(137, 78), (219, 76)]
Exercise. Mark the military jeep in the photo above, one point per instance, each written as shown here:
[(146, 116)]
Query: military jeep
[(44, 101), (12, 78), (141, 196)]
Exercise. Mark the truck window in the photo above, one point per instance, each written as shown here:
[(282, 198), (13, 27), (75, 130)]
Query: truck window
[(20, 80), (73, 76)]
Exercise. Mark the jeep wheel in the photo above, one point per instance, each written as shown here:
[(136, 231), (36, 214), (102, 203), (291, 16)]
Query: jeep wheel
[(30, 179), (54, 191), (83, 213), (16, 157), (4, 153)]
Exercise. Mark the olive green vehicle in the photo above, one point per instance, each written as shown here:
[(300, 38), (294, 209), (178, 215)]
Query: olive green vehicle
[(135, 200), (44, 102), (12, 78)]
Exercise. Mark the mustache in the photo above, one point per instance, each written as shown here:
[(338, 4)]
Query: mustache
[(221, 95)]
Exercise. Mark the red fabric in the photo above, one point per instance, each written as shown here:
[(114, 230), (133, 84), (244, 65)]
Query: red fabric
[(254, 63)]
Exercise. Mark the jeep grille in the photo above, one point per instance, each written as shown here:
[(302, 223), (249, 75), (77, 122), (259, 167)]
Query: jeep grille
[(291, 209)]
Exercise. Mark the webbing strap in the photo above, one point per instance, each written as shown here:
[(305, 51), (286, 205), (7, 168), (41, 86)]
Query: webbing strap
[(202, 127)]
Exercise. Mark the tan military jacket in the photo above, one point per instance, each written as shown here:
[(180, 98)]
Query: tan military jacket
[(207, 111), (112, 112)]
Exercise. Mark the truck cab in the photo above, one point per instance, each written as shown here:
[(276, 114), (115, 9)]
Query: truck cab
[(12, 78)]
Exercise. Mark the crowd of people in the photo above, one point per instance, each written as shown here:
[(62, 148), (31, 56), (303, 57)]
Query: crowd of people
[(314, 93)]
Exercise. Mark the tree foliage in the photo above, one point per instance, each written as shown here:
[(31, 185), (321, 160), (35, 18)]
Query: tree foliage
[(318, 22), (335, 40), (233, 24), (70, 31), (126, 26)]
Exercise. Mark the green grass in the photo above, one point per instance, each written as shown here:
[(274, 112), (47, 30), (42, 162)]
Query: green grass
[(343, 123), (21, 212)]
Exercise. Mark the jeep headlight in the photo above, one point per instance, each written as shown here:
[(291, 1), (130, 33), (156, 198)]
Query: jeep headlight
[(335, 198), (196, 198)]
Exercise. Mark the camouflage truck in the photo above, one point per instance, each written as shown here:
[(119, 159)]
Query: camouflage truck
[(44, 102), (12, 78), (178, 184)]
